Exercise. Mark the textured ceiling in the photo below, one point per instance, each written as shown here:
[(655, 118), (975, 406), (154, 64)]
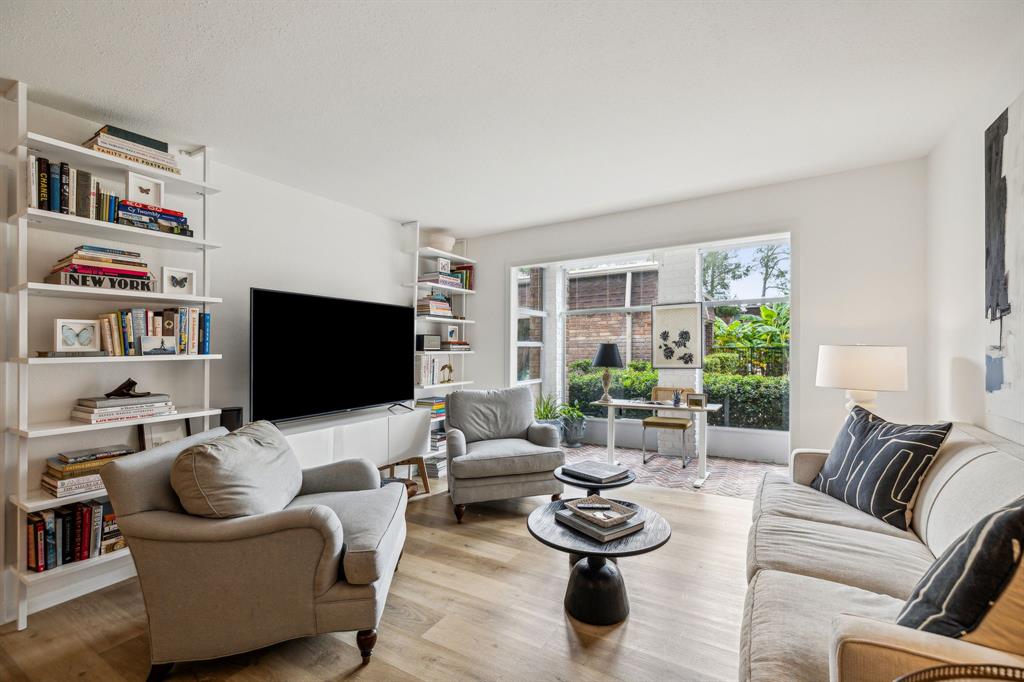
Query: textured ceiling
[(488, 116)]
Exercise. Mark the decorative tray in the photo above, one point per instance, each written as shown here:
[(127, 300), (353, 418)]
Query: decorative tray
[(610, 518)]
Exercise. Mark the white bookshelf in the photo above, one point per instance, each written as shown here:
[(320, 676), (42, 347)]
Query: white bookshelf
[(191, 191)]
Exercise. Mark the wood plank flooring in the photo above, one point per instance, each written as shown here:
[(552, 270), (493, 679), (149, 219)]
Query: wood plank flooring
[(476, 601)]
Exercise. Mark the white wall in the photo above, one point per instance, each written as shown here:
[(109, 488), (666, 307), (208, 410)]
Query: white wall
[(858, 241), (956, 260)]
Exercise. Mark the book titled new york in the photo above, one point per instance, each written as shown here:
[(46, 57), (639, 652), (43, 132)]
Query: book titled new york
[(598, 472)]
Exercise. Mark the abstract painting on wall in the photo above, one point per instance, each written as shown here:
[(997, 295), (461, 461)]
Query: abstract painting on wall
[(677, 335), (1004, 265)]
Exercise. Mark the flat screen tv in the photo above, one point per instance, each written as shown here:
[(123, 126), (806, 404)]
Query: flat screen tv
[(316, 355)]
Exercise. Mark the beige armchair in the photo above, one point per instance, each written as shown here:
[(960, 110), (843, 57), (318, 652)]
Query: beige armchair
[(496, 451), (216, 587)]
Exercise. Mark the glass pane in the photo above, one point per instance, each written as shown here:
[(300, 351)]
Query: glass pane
[(596, 291), (641, 340), (644, 288), (528, 364), (583, 333), (531, 288), (530, 329)]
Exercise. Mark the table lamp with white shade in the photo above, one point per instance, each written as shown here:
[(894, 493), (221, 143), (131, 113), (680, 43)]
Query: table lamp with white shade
[(862, 371)]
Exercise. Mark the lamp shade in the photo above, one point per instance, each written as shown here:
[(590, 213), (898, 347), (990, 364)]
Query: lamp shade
[(607, 355), (863, 368)]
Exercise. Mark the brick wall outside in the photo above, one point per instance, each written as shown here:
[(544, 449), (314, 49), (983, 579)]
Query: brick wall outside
[(531, 291), (583, 333)]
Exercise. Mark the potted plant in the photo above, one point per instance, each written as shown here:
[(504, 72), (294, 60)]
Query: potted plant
[(574, 424), (545, 411)]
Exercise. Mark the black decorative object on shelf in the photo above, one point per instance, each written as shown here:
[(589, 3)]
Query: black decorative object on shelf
[(127, 390)]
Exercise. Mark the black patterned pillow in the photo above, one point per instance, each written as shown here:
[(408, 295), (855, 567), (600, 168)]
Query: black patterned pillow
[(877, 467), (975, 590)]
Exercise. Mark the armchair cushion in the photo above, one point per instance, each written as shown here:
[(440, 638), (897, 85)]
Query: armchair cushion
[(345, 474), (250, 471), (373, 526), (483, 415), (506, 457)]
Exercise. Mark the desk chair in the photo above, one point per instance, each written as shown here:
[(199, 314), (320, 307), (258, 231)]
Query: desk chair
[(660, 393)]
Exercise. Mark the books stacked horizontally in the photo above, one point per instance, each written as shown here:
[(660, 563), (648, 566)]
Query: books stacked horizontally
[(442, 278), (436, 305), (464, 273), (154, 218), (437, 466), (456, 346), (71, 533), (102, 410), (130, 146), (434, 403), (598, 472), (604, 520), (75, 472), (438, 439), (102, 267)]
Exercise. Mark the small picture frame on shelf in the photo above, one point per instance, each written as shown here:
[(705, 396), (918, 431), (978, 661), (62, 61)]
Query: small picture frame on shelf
[(444, 265), (154, 435), (452, 332), (143, 189), (178, 281), (76, 335), (158, 345), (697, 400)]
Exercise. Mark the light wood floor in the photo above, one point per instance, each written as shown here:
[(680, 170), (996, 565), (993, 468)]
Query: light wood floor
[(477, 601)]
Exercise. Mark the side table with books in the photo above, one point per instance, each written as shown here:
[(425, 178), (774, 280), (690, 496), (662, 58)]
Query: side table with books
[(594, 476)]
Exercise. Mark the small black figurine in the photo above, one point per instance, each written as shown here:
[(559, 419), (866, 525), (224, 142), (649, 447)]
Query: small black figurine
[(127, 390)]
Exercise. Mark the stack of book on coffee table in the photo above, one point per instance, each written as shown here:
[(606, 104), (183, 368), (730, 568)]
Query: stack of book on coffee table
[(596, 472), (604, 520)]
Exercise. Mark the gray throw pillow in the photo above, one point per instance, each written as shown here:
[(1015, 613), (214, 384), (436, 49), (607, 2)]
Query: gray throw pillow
[(250, 471)]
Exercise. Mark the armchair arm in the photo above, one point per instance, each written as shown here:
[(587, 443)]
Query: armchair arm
[(455, 444), (343, 475), (865, 650), (805, 464), (544, 434)]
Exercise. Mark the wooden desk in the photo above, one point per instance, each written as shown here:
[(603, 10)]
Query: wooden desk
[(700, 424)]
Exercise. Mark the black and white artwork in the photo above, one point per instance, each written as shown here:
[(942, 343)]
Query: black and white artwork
[(678, 338), (1004, 264)]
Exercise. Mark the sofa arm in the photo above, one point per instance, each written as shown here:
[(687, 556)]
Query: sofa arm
[(805, 464), (544, 434), (340, 476), (455, 445), (866, 650)]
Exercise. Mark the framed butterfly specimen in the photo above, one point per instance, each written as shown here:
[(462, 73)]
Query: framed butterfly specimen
[(145, 190), (76, 335), (178, 281)]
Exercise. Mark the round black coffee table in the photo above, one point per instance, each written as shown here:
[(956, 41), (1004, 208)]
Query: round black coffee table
[(593, 487), (596, 592)]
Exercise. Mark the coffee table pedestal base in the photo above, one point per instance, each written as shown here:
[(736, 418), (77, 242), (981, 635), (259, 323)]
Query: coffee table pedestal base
[(596, 593)]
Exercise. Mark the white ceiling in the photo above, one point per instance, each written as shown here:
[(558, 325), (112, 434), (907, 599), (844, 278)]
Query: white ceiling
[(490, 116)]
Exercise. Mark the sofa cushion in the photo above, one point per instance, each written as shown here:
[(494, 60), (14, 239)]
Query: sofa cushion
[(780, 496), (373, 522), (250, 471), (482, 415), (877, 466), (505, 457), (787, 624), (859, 558), (975, 590)]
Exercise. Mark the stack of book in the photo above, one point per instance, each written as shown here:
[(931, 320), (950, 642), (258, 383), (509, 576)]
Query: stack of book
[(598, 472), (456, 346), (604, 520), (464, 273), (71, 533), (154, 218), (436, 305), (102, 267), (434, 403), (75, 472), (437, 466), (438, 439), (103, 410), (442, 278), (130, 146), (188, 331)]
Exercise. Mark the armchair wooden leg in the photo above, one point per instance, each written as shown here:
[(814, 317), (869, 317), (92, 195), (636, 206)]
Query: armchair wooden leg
[(556, 496), (365, 640), (459, 510), (158, 671)]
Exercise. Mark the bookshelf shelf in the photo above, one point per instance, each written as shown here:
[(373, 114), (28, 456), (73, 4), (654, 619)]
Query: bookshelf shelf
[(456, 291), (30, 577), (88, 228), (115, 358), (96, 294), (39, 499), (431, 252), (444, 352), (98, 162), (445, 320), (66, 426), (436, 420), (450, 384)]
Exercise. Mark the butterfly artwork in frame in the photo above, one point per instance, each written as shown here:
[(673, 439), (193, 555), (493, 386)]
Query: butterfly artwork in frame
[(178, 281), (145, 190), (76, 335)]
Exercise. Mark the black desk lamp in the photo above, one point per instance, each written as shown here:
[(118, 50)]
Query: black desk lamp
[(607, 355)]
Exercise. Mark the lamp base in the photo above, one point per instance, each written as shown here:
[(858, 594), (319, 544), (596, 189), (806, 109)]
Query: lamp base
[(606, 381), (865, 399)]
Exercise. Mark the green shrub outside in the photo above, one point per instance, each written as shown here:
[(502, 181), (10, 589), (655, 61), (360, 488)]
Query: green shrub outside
[(750, 402), (722, 363), (634, 381)]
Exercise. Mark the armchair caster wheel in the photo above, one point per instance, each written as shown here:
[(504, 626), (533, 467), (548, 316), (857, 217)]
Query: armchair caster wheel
[(459, 510), (365, 640), (158, 671), (556, 497)]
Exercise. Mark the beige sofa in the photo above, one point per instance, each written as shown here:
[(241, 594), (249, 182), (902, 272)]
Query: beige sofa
[(826, 581)]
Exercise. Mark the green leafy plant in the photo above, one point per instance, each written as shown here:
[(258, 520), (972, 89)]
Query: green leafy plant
[(722, 363), (770, 329), (546, 408), (580, 366), (571, 412)]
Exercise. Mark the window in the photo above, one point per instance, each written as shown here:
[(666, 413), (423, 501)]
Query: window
[(530, 319)]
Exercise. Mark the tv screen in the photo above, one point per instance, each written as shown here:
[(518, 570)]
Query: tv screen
[(314, 355)]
